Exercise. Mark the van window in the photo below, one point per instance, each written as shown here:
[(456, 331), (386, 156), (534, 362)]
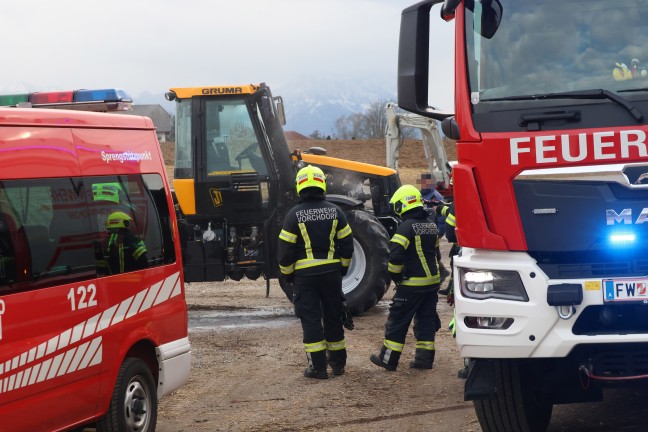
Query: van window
[(54, 230)]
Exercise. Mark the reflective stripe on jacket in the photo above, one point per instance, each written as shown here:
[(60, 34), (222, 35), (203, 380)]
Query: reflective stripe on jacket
[(412, 250), (315, 238)]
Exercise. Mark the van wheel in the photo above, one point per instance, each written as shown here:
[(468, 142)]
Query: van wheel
[(133, 407), (367, 280), (518, 405)]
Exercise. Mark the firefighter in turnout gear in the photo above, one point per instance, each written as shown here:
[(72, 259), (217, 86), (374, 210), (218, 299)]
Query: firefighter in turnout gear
[(315, 249), (413, 268), (447, 211), (451, 222), (126, 252)]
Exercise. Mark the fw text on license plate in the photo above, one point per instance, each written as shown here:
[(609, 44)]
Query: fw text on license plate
[(625, 289)]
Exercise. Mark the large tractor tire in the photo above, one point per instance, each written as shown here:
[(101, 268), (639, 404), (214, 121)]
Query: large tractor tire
[(367, 280)]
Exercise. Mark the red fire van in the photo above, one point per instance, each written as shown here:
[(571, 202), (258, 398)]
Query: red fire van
[(93, 319)]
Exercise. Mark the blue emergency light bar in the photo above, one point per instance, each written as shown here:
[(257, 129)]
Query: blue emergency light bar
[(86, 100), (105, 95)]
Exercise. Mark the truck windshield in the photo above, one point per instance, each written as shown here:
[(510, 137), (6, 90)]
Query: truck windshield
[(555, 46)]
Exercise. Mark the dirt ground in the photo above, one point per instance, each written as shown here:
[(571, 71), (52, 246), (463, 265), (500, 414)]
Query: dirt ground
[(250, 377), (247, 376)]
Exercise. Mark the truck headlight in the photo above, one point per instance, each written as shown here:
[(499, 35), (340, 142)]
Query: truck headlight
[(485, 284)]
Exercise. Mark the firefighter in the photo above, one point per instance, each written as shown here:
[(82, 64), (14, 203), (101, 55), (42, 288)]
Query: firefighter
[(621, 72), (451, 222), (315, 249), (125, 251), (447, 212), (413, 268)]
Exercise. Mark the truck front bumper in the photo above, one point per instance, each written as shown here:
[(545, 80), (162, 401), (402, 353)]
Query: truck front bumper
[(537, 330)]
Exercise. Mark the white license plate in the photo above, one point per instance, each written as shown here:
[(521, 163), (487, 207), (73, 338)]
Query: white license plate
[(625, 289)]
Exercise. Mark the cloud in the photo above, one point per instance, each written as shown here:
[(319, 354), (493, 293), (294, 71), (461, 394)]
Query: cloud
[(151, 45)]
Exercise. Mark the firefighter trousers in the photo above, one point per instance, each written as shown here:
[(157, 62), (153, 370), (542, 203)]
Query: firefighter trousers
[(318, 305), (412, 303)]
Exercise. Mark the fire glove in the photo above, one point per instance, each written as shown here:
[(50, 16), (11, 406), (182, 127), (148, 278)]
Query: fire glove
[(452, 326), (450, 297), (347, 319), (344, 270), (439, 208), (290, 278), (396, 277)]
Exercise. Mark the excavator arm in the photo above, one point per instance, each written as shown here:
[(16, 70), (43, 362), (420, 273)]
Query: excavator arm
[(433, 148)]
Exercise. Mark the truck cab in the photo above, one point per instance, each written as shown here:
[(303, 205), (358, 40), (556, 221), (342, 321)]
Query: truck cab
[(550, 108)]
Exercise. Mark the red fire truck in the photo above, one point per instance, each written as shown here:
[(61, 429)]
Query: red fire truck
[(93, 320), (551, 197)]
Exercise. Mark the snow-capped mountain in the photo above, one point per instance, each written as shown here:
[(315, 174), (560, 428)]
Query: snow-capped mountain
[(311, 104), (315, 105)]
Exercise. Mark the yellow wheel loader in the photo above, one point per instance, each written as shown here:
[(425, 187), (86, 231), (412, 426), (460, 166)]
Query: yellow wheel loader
[(234, 182)]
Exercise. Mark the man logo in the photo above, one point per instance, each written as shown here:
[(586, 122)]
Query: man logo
[(216, 196), (637, 175)]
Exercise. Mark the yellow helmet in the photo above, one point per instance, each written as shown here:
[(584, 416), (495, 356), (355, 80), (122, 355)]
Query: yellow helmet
[(621, 72), (106, 192), (117, 220), (406, 198), (310, 176)]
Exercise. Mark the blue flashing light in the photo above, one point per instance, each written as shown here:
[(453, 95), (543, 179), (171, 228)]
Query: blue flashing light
[(622, 238), (102, 95)]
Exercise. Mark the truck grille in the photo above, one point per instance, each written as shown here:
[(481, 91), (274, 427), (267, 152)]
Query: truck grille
[(631, 318), (620, 364), (584, 265)]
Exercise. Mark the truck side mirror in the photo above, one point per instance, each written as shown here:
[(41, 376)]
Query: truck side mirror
[(448, 9), (490, 18), (413, 60), (450, 128)]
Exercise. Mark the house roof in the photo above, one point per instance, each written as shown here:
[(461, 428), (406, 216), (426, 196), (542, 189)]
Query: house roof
[(162, 120), (295, 136)]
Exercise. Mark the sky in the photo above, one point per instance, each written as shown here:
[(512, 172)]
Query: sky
[(149, 46)]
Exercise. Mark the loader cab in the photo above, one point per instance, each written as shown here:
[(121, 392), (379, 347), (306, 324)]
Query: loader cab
[(233, 179), (225, 164)]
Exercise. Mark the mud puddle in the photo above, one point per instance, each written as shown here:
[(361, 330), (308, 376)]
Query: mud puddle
[(205, 320)]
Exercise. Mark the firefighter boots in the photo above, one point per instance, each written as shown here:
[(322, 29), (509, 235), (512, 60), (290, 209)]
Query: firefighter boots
[(316, 365), (338, 369), (337, 360), (312, 373), (387, 359), (423, 359)]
